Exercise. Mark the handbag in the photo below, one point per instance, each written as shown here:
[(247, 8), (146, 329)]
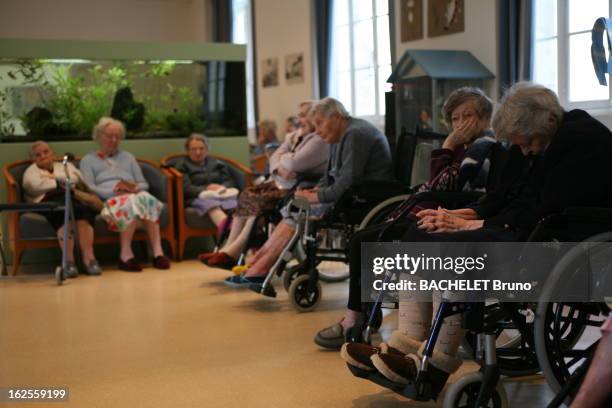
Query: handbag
[(86, 197), (91, 200)]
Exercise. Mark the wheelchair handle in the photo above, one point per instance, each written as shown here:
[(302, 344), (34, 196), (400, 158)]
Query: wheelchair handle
[(300, 204)]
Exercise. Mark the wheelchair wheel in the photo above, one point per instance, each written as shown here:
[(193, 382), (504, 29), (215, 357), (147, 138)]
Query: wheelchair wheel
[(566, 335), (378, 214), (291, 273), (302, 298), (59, 279), (464, 392)]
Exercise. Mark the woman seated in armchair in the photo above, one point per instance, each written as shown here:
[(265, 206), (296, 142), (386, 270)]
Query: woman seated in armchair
[(117, 178), (208, 185), (44, 181)]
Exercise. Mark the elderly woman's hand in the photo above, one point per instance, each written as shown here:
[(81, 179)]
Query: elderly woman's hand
[(463, 134), (126, 187), (214, 187), (465, 213), (442, 221)]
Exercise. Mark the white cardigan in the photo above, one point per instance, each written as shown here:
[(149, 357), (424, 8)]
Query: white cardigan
[(37, 181)]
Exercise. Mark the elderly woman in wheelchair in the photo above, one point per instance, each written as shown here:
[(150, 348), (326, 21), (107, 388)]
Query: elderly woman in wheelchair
[(565, 151), (358, 151), (302, 153), (462, 164)]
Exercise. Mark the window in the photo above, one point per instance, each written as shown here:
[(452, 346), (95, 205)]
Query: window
[(562, 51), (361, 56), (241, 34)]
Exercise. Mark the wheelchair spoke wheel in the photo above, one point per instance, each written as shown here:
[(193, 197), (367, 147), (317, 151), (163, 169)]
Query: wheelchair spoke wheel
[(566, 337), (464, 393), (302, 296), (379, 213)]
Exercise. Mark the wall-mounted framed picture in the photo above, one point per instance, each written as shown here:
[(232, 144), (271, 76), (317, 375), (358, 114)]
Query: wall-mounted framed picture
[(294, 68), (269, 72), (445, 17), (412, 20)]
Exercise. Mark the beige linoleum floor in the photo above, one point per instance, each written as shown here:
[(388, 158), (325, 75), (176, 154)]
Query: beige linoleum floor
[(181, 338)]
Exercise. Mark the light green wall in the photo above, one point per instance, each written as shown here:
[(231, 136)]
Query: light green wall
[(61, 49)]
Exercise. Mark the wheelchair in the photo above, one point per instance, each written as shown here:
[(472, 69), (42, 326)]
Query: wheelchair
[(302, 281), (558, 338)]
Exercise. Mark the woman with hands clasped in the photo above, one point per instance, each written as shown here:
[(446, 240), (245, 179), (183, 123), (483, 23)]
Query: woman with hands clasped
[(116, 177)]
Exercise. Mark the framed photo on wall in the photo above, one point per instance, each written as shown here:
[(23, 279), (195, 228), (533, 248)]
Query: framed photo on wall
[(269, 72), (294, 68), (412, 20), (445, 17)]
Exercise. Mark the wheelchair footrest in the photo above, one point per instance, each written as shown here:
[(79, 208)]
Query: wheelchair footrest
[(422, 393), (268, 291)]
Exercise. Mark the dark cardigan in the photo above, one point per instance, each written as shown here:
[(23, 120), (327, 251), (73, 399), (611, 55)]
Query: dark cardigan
[(197, 177), (573, 171)]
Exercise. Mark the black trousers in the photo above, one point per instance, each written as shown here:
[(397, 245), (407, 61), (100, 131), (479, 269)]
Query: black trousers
[(407, 231), (56, 218)]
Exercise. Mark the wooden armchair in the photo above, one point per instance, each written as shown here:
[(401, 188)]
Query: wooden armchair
[(189, 224), (28, 230)]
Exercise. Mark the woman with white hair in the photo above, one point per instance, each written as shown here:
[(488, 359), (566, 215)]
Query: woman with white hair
[(568, 154), (117, 178)]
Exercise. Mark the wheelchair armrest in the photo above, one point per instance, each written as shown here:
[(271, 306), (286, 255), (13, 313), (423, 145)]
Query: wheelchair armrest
[(300, 204), (599, 214), (308, 178), (23, 207), (449, 199), (374, 190)]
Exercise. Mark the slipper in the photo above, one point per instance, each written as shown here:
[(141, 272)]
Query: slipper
[(222, 260)]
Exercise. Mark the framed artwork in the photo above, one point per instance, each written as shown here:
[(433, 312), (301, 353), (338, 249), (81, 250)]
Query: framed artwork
[(269, 72), (411, 20), (294, 68), (445, 17)]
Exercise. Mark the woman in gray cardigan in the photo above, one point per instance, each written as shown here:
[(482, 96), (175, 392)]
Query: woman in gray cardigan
[(302, 152)]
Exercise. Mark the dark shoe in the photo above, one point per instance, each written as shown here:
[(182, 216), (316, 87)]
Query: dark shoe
[(93, 269), (130, 265), (205, 256), (222, 260), (359, 354), (332, 337), (398, 368), (161, 262), (71, 271)]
